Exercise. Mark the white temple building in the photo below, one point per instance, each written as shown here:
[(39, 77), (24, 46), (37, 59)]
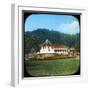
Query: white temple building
[(47, 48)]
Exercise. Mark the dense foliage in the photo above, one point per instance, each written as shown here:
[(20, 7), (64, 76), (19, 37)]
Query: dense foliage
[(34, 39)]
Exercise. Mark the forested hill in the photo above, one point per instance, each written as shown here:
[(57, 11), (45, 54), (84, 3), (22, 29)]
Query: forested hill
[(33, 39)]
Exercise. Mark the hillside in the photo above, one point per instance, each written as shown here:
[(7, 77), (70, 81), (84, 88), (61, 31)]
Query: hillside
[(33, 39)]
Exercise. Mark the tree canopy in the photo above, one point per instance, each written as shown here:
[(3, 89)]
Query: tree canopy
[(33, 39)]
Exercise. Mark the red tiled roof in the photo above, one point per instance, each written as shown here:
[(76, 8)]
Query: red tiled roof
[(48, 43), (59, 46)]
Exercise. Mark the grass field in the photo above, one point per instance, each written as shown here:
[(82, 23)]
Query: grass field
[(52, 67)]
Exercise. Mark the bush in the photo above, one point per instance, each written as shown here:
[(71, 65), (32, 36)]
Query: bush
[(53, 57)]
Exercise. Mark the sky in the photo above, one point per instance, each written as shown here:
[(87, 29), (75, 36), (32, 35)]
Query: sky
[(63, 23)]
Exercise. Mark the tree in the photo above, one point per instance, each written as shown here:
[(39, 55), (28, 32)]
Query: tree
[(33, 39)]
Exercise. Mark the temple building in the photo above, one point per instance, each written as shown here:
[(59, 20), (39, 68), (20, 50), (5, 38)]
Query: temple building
[(48, 47)]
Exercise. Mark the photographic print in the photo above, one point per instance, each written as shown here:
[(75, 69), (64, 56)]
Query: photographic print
[(51, 44)]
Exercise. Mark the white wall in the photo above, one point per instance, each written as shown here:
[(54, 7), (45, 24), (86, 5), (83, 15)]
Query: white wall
[(5, 43)]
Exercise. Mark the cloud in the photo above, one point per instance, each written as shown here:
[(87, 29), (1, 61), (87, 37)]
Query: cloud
[(69, 28)]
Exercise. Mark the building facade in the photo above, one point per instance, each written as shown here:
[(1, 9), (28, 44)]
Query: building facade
[(47, 47)]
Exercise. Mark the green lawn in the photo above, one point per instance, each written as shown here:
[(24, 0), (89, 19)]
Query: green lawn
[(52, 67)]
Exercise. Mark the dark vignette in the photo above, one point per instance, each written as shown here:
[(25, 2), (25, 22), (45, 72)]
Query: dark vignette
[(25, 15)]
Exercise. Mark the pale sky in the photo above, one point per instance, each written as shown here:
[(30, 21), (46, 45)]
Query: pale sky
[(63, 23)]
